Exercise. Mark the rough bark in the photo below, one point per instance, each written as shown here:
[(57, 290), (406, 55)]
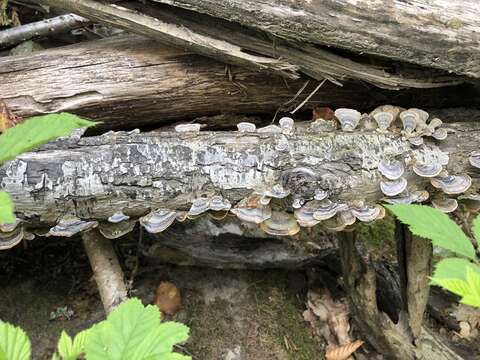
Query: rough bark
[(390, 339), (58, 24), (106, 269), (225, 41), (94, 177), (433, 33), (130, 81)]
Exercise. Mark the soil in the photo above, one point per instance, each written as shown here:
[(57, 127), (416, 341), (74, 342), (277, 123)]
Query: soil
[(233, 315)]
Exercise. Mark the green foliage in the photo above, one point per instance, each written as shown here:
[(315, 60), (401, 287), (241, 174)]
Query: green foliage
[(130, 332), (458, 275), (430, 223), (71, 349), (6, 208), (37, 131), (133, 331), (14, 343)]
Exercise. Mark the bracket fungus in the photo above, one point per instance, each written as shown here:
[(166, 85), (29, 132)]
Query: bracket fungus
[(391, 169), (445, 205), (367, 213), (116, 230), (9, 239), (393, 187), (348, 118), (327, 209), (287, 125), (273, 129), (427, 170), (280, 224), (252, 211), (474, 159), (188, 128), (246, 127), (71, 225), (408, 197), (118, 217), (385, 115), (452, 184), (158, 220)]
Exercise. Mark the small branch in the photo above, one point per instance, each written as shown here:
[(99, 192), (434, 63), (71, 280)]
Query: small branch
[(106, 269), (59, 24)]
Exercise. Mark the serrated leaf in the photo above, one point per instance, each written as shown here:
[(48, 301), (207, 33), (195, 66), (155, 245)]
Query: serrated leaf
[(6, 208), (134, 332), (453, 268), (14, 342), (431, 223), (476, 228), (37, 131), (468, 289), (161, 340), (65, 344)]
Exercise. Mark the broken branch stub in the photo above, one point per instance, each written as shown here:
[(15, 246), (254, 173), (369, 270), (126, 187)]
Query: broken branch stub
[(272, 177)]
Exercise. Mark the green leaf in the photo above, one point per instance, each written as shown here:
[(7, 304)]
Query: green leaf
[(476, 228), (6, 208), (460, 277), (453, 268), (71, 349), (37, 131), (65, 345), (14, 343), (430, 223), (133, 332)]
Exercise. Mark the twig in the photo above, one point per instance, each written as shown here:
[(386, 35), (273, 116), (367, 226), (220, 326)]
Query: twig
[(308, 97), (106, 269), (45, 27)]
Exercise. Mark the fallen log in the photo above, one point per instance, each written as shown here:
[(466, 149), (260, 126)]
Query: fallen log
[(129, 81), (431, 33), (120, 176), (227, 41)]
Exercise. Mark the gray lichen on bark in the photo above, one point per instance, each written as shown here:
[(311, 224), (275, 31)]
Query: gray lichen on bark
[(94, 177)]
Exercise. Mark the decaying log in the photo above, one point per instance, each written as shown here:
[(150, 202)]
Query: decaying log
[(59, 24), (225, 41), (387, 337), (106, 269), (229, 244), (130, 81), (95, 177), (432, 33)]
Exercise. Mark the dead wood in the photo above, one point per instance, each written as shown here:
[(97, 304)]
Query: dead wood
[(225, 41), (431, 33), (94, 177), (58, 24), (106, 269)]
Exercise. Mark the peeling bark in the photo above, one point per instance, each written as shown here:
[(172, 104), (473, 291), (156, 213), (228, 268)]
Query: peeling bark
[(95, 177), (226, 41), (432, 33)]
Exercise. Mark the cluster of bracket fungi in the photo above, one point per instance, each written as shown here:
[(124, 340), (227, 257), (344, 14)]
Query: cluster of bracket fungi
[(267, 207)]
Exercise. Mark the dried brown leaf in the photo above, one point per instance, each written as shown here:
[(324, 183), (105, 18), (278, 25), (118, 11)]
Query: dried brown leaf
[(324, 113), (7, 118), (168, 298), (343, 352)]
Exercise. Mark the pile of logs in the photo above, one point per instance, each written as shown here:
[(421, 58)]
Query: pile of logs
[(171, 64)]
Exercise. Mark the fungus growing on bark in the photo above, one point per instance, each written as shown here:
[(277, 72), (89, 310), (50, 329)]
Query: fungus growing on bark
[(385, 115), (391, 169), (366, 213), (158, 220), (118, 217), (116, 230), (452, 184), (280, 224), (246, 127), (273, 129), (427, 170), (287, 125), (188, 128), (407, 197), (11, 238), (474, 159), (199, 206), (327, 209), (71, 225), (444, 204), (393, 187), (348, 118), (218, 203)]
